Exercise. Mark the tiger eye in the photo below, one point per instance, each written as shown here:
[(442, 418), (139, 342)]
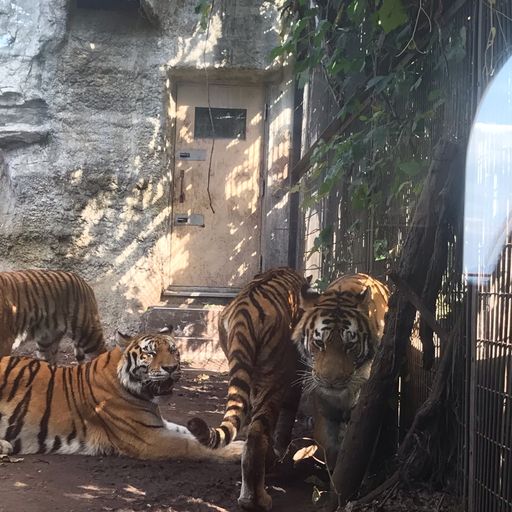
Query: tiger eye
[(319, 344)]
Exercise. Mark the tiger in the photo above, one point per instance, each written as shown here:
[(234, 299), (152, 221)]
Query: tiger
[(338, 334), (105, 406), (46, 305), (255, 334)]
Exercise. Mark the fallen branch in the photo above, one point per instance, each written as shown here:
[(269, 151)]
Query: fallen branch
[(391, 482)]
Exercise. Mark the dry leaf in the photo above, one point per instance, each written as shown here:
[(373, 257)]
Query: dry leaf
[(305, 453), (7, 458)]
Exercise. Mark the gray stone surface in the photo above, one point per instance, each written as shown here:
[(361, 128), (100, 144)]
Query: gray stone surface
[(84, 133)]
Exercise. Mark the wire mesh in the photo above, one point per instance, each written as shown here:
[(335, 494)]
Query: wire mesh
[(492, 379)]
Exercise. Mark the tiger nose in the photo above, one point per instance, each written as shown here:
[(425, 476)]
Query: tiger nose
[(171, 369)]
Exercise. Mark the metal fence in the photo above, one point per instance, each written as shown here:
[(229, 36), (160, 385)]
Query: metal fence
[(490, 399), (481, 387)]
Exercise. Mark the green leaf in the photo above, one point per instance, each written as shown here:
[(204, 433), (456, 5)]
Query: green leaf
[(416, 84), (374, 81), (323, 238), (360, 196), (392, 15), (322, 27), (380, 249), (434, 95), (203, 8), (325, 187), (410, 168), (277, 51), (356, 11)]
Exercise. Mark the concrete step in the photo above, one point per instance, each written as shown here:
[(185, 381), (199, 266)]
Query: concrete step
[(201, 292), (187, 321), (195, 330)]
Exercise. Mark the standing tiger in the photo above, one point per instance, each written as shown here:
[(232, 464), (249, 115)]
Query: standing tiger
[(46, 305), (339, 332), (101, 407), (255, 334)]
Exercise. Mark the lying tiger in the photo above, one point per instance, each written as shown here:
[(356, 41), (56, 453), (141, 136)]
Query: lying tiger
[(99, 408), (339, 333), (45, 306)]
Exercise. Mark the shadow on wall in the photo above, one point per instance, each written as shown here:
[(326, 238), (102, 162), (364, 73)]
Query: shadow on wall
[(109, 227)]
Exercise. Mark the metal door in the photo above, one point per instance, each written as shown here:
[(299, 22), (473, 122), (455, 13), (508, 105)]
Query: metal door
[(215, 239)]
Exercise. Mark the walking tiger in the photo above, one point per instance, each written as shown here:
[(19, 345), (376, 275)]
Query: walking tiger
[(45, 306), (339, 333), (255, 334)]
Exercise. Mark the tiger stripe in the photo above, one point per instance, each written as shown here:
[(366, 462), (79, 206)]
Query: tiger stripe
[(339, 333), (255, 334), (101, 407), (45, 306)]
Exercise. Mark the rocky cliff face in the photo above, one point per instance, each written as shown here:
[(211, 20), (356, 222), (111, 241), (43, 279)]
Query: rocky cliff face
[(84, 174)]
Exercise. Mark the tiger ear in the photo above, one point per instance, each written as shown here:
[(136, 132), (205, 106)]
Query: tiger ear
[(365, 296), (308, 296), (123, 340)]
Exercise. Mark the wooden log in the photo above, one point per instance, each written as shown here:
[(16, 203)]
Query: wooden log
[(355, 452)]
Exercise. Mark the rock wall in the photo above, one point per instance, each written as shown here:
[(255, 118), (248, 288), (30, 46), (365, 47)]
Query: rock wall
[(84, 167)]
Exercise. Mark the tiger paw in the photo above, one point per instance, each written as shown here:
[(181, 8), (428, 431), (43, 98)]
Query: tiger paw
[(263, 502), (5, 447), (200, 430)]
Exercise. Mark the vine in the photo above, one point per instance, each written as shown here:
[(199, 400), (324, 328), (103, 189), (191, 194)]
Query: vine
[(379, 59)]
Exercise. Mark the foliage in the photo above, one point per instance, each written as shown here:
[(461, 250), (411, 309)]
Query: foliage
[(380, 60), (204, 8)]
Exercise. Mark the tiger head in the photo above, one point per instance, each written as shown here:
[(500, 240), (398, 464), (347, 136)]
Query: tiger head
[(150, 365), (337, 336)]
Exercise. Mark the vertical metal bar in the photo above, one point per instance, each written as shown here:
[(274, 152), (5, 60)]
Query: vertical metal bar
[(264, 201), (479, 51), (293, 240), (471, 330)]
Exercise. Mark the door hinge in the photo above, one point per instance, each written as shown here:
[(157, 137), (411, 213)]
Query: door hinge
[(265, 112), (263, 187)]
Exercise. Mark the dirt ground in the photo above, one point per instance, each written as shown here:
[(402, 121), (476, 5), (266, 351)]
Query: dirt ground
[(65, 483)]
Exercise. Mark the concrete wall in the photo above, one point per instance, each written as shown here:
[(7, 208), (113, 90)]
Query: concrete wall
[(84, 135)]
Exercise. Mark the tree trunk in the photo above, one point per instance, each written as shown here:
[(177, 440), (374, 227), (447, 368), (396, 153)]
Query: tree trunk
[(355, 452)]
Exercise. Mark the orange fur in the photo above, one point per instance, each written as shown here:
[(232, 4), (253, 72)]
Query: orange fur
[(339, 332), (255, 334), (101, 407), (46, 305)]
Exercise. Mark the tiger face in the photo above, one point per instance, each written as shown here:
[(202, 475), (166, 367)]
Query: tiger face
[(150, 365), (337, 340), (340, 330)]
